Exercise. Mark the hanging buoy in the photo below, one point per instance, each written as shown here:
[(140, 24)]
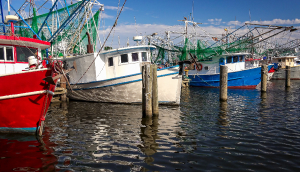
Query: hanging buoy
[(32, 62)]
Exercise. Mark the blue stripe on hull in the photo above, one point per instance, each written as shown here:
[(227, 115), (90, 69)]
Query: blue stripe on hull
[(270, 66), (18, 130), (245, 78), (126, 76), (121, 83)]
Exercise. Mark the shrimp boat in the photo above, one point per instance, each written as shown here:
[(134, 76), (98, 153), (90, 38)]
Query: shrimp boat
[(207, 73), (115, 76), (24, 95), (251, 63)]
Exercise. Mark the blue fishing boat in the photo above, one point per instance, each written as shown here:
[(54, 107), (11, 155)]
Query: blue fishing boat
[(207, 73)]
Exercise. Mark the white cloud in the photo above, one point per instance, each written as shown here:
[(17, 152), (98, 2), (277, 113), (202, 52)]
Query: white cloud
[(116, 8), (127, 31), (237, 23), (111, 8), (267, 22), (107, 16), (215, 21)]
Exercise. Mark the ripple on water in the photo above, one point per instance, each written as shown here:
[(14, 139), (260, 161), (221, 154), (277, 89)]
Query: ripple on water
[(249, 132)]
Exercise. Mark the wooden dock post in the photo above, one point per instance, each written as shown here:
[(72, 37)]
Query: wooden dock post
[(186, 73), (63, 97), (287, 76), (155, 110), (264, 76), (147, 78), (185, 80), (223, 82)]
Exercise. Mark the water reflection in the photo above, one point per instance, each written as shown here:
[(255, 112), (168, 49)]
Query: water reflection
[(26, 152), (251, 131), (223, 117), (149, 129)]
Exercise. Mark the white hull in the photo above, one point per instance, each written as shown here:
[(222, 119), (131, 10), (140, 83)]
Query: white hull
[(270, 75), (128, 89)]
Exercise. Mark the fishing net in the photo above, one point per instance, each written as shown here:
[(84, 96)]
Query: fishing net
[(204, 53), (72, 39)]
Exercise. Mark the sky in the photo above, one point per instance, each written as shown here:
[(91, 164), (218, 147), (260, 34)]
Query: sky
[(144, 17)]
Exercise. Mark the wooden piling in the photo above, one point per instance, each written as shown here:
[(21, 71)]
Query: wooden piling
[(264, 77), (287, 76), (147, 78), (63, 97), (186, 73), (223, 82), (154, 90)]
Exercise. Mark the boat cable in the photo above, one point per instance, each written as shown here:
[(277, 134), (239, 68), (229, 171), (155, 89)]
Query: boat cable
[(115, 24), (42, 116)]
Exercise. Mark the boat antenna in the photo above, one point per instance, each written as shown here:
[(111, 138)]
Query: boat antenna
[(135, 25), (235, 23), (8, 4), (249, 15), (193, 12)]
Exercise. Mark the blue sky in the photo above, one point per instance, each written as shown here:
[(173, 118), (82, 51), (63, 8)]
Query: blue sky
[(167, 12), (215, 15), (162, 15)]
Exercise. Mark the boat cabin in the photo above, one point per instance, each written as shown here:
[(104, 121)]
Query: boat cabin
[(15, 50), (296, 61), (284, 61), (125, 61), (252, 63), (234, 62), (110, 64)]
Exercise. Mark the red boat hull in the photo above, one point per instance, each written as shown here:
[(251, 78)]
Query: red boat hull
[(24, 100)]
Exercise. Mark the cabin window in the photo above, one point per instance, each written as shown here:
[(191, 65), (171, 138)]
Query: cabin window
[(110, 61), (9, 54), (1, 53), (283, 60), (6, 53), (235, 59), (229, 59), (241, 58), (124, 58), (279, 60), (206, 68), (24, 52), (135, 57), (144, 56)]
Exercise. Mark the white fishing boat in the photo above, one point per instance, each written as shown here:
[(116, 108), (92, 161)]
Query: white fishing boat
[(281, 63), (115, 76)]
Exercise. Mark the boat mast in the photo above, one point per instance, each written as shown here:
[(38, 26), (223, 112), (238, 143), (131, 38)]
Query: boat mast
[(2, 17), (8, 4)]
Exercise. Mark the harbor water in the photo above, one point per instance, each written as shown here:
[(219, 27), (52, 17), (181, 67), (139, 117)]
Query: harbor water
[(249, 132)]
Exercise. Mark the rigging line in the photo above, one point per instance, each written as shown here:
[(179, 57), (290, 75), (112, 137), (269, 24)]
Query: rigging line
[(42, 5), (228, 35), (79, 30), (115, 24), (95, 27), (211, 36)]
